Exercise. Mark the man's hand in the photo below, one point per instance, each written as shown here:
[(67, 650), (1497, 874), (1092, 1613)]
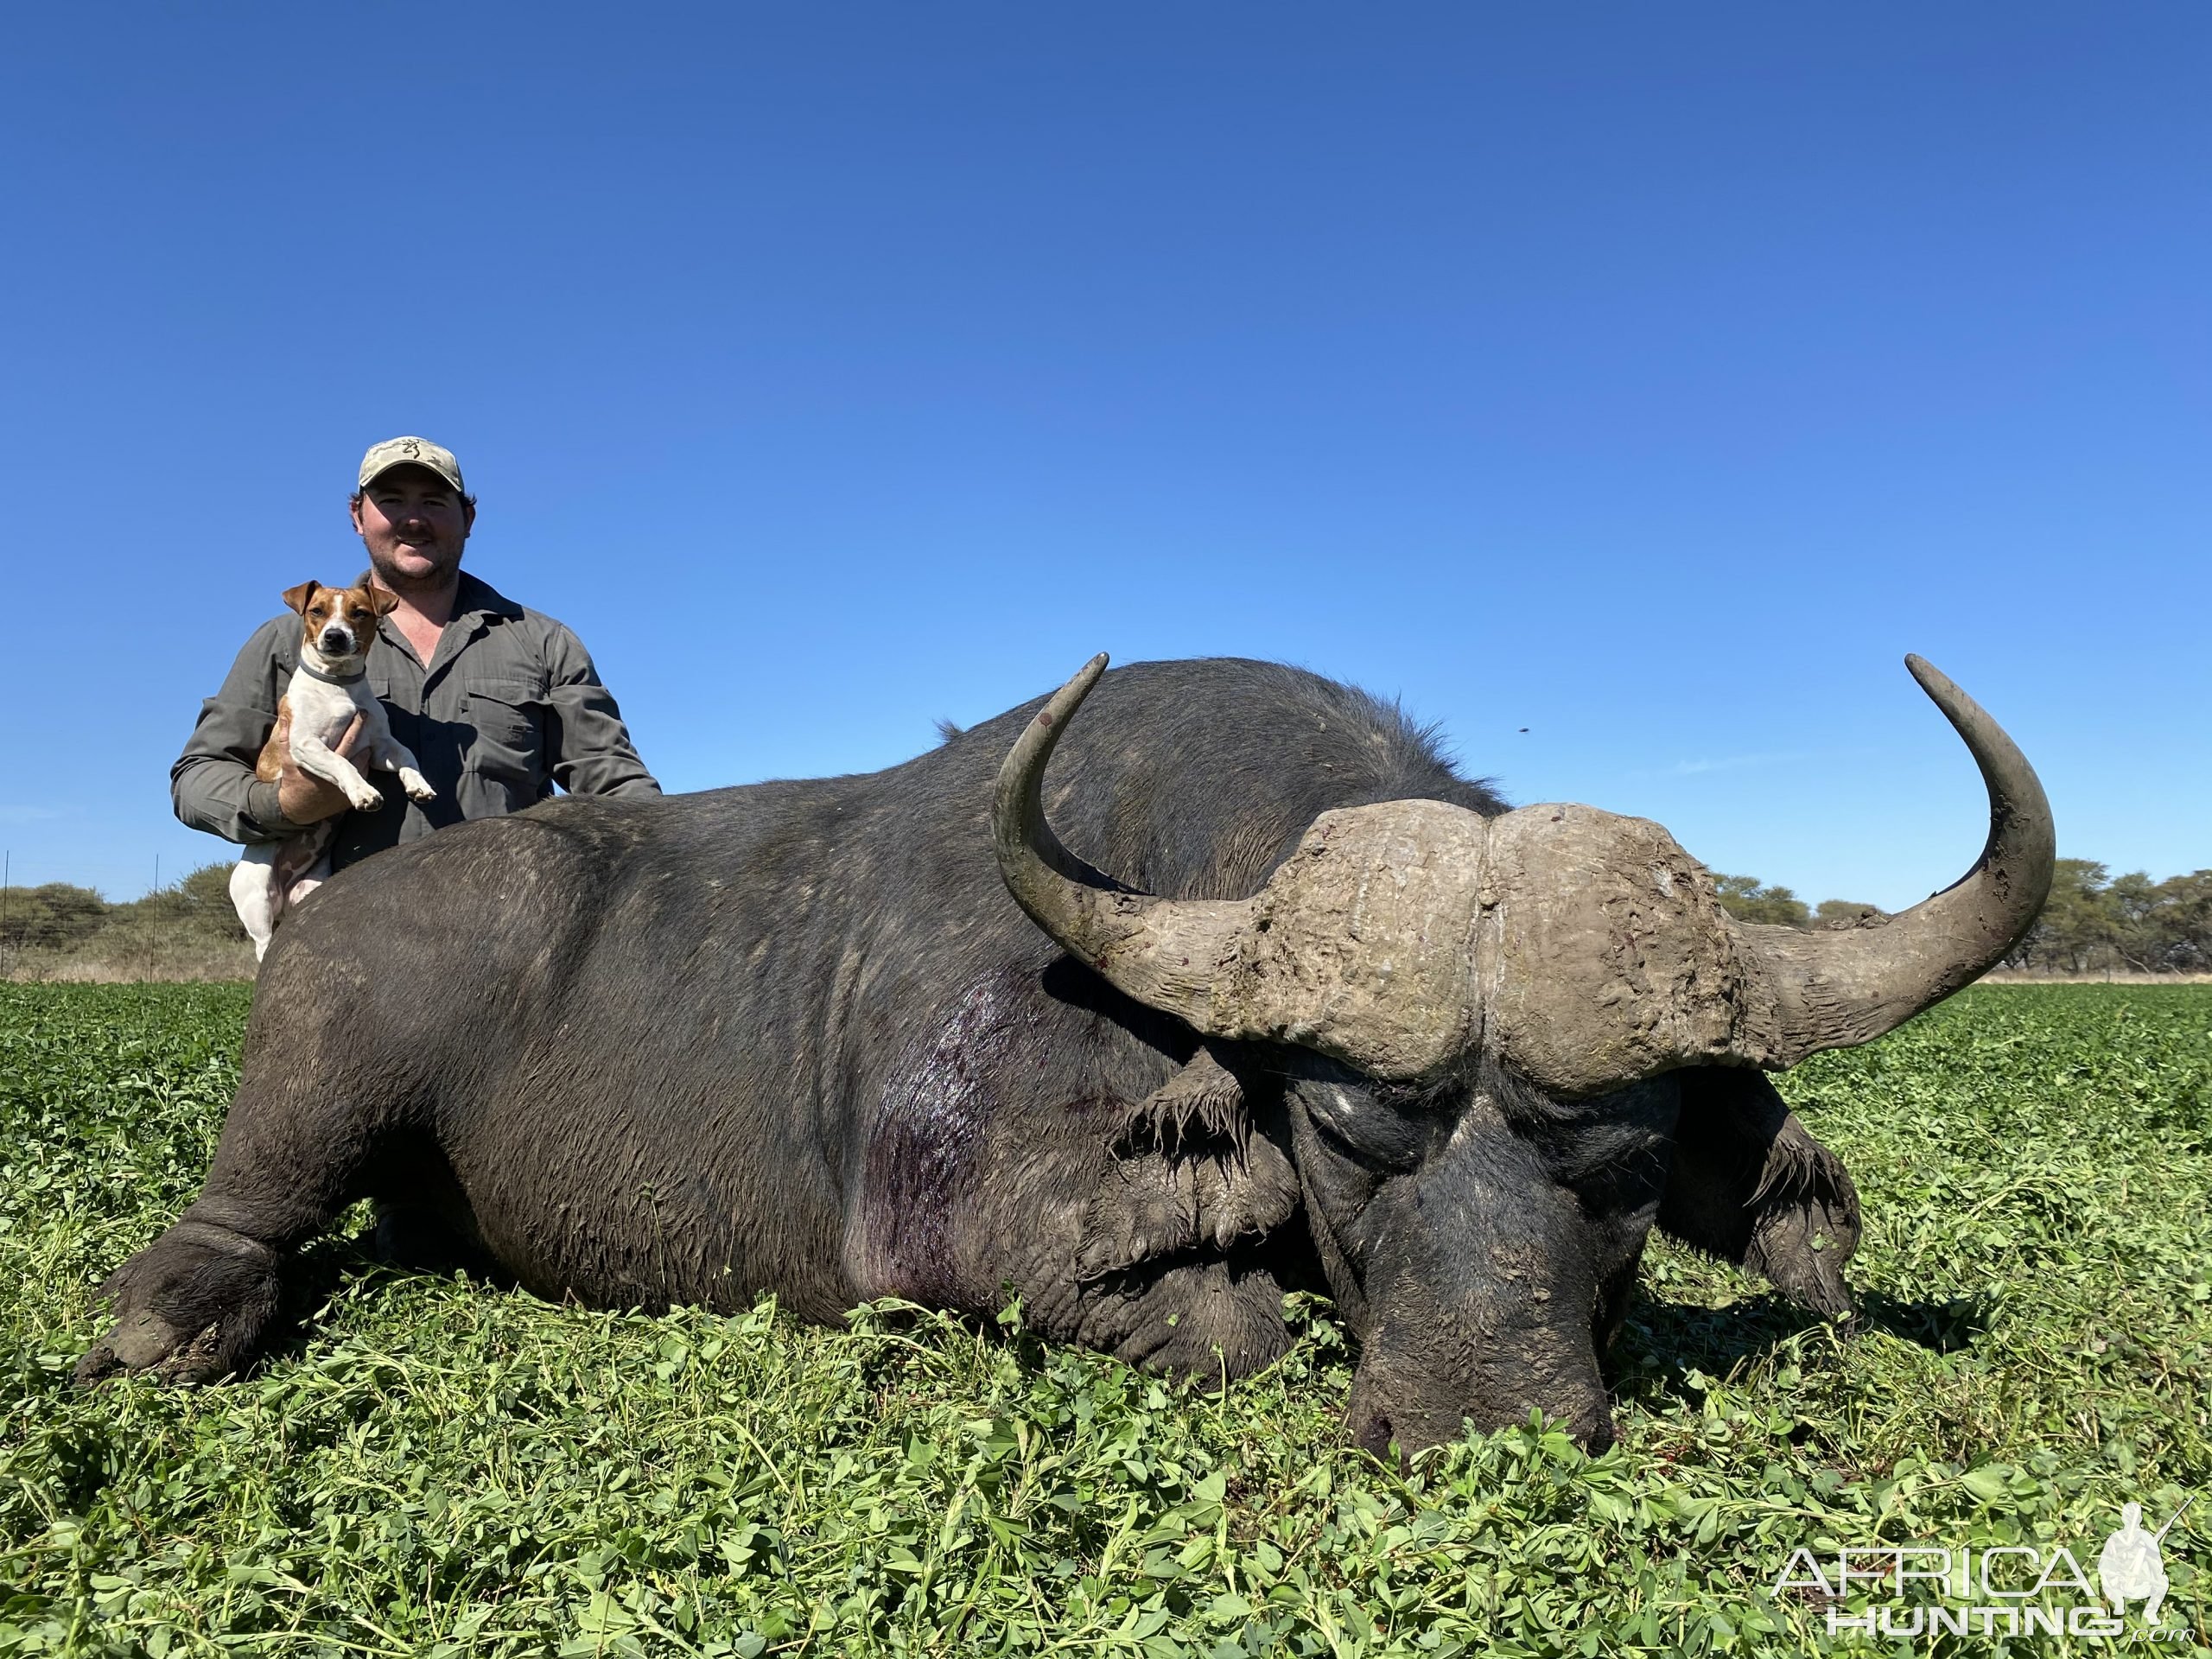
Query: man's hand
[(305, 799)]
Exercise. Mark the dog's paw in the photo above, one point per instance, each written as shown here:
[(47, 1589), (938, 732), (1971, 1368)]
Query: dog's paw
[(366, 798), (416, 786)]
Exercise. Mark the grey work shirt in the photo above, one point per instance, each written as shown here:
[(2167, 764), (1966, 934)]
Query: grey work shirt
[(508, 706)]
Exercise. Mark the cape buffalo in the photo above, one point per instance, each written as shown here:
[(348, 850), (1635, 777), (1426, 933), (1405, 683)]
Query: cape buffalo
[(1291, 1003)]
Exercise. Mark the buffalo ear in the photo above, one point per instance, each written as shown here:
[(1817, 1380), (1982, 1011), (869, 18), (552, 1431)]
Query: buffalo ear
[(1203, 1101), (1805, 1222), (1751, 1183), (1191, 1167), (298, 599)]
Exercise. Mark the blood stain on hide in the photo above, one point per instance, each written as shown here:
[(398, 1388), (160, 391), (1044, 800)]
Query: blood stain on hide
[(935, 1108)]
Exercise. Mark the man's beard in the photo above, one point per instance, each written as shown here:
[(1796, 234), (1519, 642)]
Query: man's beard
[(409, 585)]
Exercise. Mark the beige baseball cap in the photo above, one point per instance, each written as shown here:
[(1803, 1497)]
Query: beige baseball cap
[(411, 452)]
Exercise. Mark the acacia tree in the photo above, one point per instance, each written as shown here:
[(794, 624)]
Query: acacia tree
[(1845, 912), (1742, 897), (2096, 921), (2182, 923), (2076, 926), (2093, 922)]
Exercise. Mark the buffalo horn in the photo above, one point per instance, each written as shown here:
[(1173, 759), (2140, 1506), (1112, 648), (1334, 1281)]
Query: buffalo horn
[(1163, 952), (1836, 987)]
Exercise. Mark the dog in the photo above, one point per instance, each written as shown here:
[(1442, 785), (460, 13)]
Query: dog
[(328, 693)]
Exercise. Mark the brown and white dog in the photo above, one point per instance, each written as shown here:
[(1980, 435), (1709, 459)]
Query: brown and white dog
[(329, 691)]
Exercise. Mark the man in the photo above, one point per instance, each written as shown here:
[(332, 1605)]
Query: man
[(498, 703)]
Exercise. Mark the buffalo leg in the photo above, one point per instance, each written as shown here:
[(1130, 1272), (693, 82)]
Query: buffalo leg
[(197, 1302)]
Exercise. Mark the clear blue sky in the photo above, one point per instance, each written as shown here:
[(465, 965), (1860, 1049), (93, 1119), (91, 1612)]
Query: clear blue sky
[(1651, 378)]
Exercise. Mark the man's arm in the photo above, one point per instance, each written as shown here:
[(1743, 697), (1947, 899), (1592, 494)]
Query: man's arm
[(212, 784), (588, 747)]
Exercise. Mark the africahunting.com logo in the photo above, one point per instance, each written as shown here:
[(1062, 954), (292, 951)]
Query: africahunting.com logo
[(2003, 1590)]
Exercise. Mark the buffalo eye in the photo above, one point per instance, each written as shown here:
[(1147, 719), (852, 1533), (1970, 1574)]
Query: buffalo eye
[(1380, 1126)]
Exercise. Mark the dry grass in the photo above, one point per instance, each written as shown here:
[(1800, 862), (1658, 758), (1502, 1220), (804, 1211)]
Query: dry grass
[(111, 961)]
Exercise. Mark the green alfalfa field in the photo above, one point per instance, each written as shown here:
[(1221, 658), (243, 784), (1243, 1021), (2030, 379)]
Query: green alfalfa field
[(432, 1466)]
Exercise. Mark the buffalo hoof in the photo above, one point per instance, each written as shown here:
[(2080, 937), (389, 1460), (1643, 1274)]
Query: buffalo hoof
[(146, 1342), (191, 1307)]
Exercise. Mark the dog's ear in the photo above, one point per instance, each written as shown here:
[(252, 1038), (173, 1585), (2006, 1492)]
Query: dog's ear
[(382, 600), (298, 599)]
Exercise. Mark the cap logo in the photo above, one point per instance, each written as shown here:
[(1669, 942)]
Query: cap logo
[(408, 452)]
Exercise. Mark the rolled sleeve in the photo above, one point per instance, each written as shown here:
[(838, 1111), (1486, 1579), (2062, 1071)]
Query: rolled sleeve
[(587, 745), (211, 785)]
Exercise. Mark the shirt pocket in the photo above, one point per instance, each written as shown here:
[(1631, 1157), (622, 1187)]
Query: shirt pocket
[(509, 718)]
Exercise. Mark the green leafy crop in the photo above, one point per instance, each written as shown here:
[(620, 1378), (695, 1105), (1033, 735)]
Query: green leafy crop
[(432, 1466)]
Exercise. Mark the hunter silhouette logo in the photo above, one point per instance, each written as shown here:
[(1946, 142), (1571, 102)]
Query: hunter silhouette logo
[(2130, 1567)]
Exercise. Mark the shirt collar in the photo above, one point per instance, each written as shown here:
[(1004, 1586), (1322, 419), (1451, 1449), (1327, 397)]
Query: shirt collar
[(476, 605), (479, 598), (473, 598)]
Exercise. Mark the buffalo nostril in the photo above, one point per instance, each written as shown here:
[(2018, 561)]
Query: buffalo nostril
[(1373, 1436)]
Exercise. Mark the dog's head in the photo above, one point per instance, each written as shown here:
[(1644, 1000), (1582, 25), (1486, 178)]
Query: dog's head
[(339, 623)]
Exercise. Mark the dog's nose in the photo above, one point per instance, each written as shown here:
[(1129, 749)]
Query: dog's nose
[(336, 639)]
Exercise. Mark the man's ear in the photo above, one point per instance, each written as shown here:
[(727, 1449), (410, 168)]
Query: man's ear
[(298, 599)]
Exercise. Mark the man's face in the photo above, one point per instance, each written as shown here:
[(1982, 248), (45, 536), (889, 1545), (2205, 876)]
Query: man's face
[(414, 525)]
